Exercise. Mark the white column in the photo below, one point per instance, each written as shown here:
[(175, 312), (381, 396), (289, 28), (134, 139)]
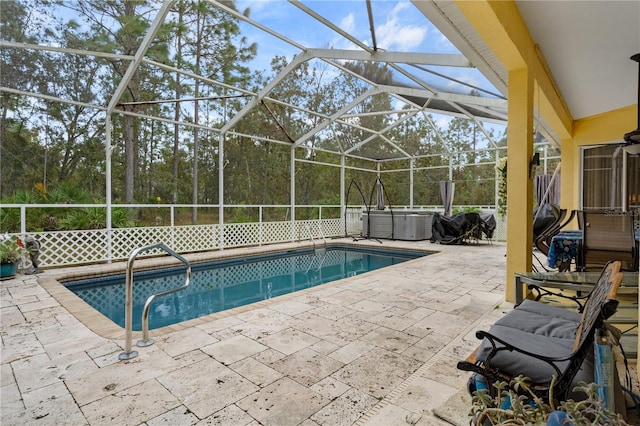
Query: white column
[(221, 191)]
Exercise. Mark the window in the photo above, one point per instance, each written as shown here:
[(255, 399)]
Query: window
[(610, 178)]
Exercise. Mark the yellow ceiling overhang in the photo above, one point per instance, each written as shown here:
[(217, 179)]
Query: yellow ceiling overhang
[(604, 127), (500, 25)]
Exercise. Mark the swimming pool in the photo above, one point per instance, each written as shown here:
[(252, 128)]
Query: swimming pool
[(226, 284)]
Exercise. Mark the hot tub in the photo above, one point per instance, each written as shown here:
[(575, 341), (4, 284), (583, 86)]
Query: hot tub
[(408, 225)]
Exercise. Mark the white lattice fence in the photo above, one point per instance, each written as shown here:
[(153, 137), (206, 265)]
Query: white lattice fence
[(276, 232), (353, 221), (241, 234), (500, 234), (70, 248), (307, 229), (195, 238), (63, 248), (332, 227), (125, 240)]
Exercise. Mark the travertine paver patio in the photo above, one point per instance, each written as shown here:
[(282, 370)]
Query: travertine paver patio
[(375, 349)]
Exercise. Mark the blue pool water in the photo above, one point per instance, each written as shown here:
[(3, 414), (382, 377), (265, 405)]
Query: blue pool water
[(226, 284)]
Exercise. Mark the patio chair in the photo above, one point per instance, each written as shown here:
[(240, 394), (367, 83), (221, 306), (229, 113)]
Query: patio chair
[(544, 240), (550, 345), (607, 236), (566, 220), (539, 242)]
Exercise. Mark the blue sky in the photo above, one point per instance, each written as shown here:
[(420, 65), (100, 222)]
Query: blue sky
[(399, 26)]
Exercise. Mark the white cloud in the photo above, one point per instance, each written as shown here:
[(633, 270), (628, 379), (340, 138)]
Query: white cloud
[(394, 35), (404, 38), (400, 6), (348, 23), (258, 9)]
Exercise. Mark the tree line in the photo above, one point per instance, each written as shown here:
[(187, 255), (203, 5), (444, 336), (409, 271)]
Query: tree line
[(165, 145)]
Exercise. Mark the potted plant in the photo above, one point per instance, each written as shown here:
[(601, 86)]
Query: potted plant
[(11, 249), (517, 409)]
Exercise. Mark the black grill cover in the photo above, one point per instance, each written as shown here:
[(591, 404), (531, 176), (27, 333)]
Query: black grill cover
[(462, 226)]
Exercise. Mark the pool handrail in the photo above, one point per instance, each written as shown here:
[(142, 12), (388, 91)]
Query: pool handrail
[(320, 232), (128, 320)]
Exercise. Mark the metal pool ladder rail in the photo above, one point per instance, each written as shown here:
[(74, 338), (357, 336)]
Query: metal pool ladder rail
[(128, 320), (319, 227)]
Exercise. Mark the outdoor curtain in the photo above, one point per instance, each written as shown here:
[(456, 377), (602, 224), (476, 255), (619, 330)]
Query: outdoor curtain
[(447, 188), (547, 189), (379, 195)]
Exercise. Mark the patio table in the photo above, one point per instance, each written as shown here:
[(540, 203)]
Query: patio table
[(564, 248), (577, 281)]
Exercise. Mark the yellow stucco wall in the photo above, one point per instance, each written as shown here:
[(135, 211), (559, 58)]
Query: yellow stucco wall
[(607, 127), (594, 130), (500, 25), (519, 182), (502, 28)]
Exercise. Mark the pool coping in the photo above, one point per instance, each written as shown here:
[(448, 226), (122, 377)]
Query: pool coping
[(104, 327)]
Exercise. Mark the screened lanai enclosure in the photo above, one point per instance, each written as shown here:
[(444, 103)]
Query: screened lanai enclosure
[(211, 124)]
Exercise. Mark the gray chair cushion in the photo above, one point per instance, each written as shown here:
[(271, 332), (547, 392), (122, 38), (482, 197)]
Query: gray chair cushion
[(549, 310), (543, 325), (517, 363), (540, 329)]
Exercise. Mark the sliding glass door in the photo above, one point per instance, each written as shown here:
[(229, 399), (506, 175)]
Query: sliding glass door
[(610, 178)]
